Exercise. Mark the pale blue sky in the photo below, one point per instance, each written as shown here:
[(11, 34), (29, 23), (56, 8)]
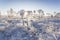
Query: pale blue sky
[(46, 5)]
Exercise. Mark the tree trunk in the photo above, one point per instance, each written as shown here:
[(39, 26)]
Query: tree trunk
[(22, 20)]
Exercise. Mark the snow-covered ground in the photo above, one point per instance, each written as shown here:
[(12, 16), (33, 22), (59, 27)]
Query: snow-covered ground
[(24, 29)]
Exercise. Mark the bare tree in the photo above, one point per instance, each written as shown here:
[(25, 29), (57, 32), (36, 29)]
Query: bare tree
[(41, 12), (54, 14), (0, 13), (34, 13), (10, 12), (22, 15), (57, 15), (29, 13)]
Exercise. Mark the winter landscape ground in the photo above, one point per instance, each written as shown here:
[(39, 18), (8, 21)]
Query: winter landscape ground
[(41, 29)]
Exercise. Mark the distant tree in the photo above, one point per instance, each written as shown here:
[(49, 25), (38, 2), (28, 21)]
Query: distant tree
[(22, 15), (41, 12), (57, 15), (51, 16), (34, 11), (10, 12), (54, 14), (29, 13), (0, 13)]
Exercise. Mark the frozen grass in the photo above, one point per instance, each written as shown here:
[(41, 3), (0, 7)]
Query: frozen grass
[(43, 29)]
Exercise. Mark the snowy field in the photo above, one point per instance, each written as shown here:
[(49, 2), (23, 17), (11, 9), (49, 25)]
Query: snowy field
[(43, 29)]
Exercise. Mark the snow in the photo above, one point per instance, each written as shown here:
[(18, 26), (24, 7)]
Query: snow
[(43, 29)]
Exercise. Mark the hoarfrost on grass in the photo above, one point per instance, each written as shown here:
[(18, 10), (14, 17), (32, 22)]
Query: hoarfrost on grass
[(47, 29)]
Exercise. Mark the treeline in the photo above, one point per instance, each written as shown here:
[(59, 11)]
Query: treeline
[(30, 13)]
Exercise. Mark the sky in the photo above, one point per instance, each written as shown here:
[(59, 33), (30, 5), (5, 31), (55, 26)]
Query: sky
[(45, 5)]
